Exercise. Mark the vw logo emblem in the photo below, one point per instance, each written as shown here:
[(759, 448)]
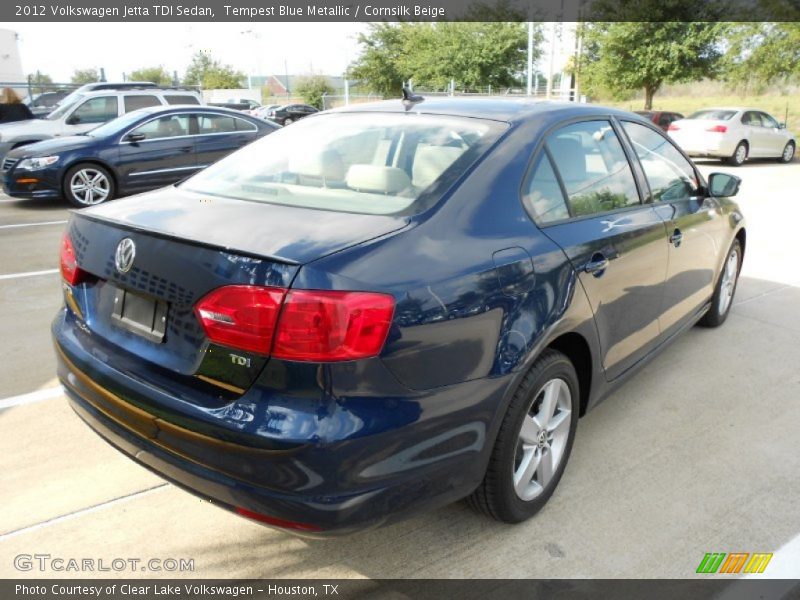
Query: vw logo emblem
[(123, 258)]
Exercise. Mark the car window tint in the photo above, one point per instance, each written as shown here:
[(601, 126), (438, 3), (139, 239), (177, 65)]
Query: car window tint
[(215, 124), (97, 110), (593, 167), (542, 196), (165, 127), (140, 101), (670, 175), (751, 118), (768, 121), (242, 125), (180, 99)]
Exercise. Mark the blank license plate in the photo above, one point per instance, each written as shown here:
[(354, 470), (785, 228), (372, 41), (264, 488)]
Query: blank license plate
[(142, 315)]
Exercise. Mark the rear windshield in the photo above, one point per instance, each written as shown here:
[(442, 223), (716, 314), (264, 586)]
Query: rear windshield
[(371, 163), (713, 115)]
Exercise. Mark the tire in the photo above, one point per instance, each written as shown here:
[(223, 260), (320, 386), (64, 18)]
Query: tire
[(288, 122), (516, 447), (788, 153), (728, 278), (739, 154), (88, 184)]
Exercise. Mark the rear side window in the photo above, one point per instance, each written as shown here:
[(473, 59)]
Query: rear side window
[(215, 124), (137, 102), (593, 167), (543, 197), (165, 127), (242, 125), (180, 99), (96, 110), (670, 175), (751, 118)]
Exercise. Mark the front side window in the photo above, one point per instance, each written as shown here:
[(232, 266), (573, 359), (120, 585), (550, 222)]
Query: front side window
[(593, 167), (96, 110), (768, 121), (165, 127), (670, 175), (370, 163)]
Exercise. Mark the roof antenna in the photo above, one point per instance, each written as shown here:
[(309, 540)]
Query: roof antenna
[(410, 98)]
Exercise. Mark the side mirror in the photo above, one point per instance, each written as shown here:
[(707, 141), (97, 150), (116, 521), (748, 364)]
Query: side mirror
[(73, 120), (781, 125), (722, 185), (135, 137)]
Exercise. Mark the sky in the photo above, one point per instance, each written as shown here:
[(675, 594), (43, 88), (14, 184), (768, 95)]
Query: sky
[(57, 49)]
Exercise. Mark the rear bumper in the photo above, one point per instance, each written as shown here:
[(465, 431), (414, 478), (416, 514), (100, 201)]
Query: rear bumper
[(707, 145), (336, 485)]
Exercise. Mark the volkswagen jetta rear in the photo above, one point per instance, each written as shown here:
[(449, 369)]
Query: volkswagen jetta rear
[(191, 341)]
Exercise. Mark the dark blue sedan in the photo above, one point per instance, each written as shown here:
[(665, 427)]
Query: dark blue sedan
[(140, 151), (387, 308)]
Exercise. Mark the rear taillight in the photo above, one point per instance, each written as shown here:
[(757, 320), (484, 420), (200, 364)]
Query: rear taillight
[(328, 326), (241, 316), (718, 129), (275, 521), (673, 127), (70, 271), (301, 325)]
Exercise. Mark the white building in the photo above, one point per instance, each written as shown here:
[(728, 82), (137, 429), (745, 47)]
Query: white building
[(10, 63)]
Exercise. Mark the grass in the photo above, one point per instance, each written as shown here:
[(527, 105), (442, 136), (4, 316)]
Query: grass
[(774, 104)]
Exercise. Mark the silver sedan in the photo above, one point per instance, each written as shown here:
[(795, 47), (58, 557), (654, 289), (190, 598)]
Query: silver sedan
[(733, 134)]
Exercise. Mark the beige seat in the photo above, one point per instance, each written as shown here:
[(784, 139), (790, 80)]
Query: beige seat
[(377, 179)]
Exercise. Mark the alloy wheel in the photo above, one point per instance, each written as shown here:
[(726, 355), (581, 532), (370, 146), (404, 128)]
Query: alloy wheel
[(90, 186), (728, 284), (542, 439)]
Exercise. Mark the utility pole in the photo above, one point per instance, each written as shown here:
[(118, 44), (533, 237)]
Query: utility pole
[(530, 56)]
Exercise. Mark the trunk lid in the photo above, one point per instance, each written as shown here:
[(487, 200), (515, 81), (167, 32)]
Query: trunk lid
[(184, 248)]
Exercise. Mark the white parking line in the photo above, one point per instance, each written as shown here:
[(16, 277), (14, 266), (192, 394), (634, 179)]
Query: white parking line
[(14, 225), (83, 511), (28, 274), (31, 397)]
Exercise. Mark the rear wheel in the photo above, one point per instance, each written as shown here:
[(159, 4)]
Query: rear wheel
[(739, 155), (726, 287), (788, 153), (87, 184), (533, 444)]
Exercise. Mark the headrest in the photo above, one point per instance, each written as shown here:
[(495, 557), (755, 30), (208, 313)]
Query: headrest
[(327, 164), (431, 161), (377, 179)]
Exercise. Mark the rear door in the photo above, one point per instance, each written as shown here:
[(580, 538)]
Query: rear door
[(164, 156), (584, 195), (694, 224), (218, 135)]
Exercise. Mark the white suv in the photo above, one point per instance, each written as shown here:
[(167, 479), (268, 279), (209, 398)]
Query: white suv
[(83, 111)]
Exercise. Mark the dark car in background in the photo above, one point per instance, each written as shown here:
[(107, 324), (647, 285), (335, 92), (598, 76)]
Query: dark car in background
[(375, 312), (289, 113), (43, 104), (661, 118), (142, 150)]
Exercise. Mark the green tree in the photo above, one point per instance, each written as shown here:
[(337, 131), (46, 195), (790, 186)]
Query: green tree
[(211, 74), (81, 76), (39, 78), (312, 88), (158, 75), (433, 54), (762, 53), (378, 66), (623, 56)]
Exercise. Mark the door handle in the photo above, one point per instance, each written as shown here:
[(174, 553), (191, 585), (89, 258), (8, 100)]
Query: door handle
[(676, 238), (597, 264), (186, 149)]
